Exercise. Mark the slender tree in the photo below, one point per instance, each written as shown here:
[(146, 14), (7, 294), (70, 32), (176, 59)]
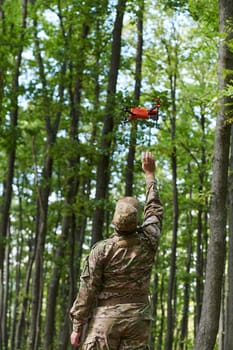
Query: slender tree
[(43, 186), (3, 55), (104, 158), (172, 76), (8, 181), (69, 223), (59, 254), (137, 90), (200, 237), (228, 341), (208, 326), (186, 297)]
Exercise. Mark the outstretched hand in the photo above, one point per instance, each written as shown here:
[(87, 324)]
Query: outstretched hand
[(148, 163), (75, 339)]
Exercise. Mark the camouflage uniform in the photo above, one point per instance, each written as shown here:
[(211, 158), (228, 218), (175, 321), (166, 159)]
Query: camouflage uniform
[(112, 303)]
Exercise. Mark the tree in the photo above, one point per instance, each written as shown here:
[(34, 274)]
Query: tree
[(172, 58), (137, 90), (208, 326), (228, 341), (11, 154), (104, 158)]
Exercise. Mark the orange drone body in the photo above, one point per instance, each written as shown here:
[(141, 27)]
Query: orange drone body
[(142, 112)]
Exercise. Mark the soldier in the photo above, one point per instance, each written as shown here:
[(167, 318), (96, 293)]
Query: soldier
[(112, 309)]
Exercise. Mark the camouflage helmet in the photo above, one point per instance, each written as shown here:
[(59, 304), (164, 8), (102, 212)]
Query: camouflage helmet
[(126, 214)]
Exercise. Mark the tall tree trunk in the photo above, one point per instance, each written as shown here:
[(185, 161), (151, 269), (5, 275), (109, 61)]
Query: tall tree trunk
[(186, 295), (71, 192), (17, 272), (171, 282), (229, 305), (221, 333), (68, 218), (6, 296), (7, 186), (37, 282), (68, 294), (154, 308), (200, 245), (71, 228), (43, 190), (20, 335), (162, 318), (59, 255), (137, 90), (209, 322), (105, 149), (2, 70)]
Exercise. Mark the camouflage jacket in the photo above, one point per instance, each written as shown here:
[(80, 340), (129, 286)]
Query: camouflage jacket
[(120, 267)]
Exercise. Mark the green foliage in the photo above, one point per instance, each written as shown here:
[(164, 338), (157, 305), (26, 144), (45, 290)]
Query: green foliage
[(206, 11)]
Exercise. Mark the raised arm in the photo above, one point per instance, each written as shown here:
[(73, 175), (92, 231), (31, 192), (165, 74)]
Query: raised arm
[(153, 211)]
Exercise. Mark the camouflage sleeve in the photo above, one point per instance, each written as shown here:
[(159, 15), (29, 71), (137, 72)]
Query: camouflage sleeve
[(90, 283), (153, 213)]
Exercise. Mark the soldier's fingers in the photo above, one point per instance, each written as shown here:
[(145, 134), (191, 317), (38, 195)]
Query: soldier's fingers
[(147, 156)]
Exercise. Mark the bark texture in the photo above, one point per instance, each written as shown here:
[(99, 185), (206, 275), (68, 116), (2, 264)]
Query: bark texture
[(209, 322)]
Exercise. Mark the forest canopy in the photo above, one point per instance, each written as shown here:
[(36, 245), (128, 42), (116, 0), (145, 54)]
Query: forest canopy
[(68, 70)]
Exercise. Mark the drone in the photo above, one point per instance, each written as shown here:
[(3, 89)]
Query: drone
[(143, 113)]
